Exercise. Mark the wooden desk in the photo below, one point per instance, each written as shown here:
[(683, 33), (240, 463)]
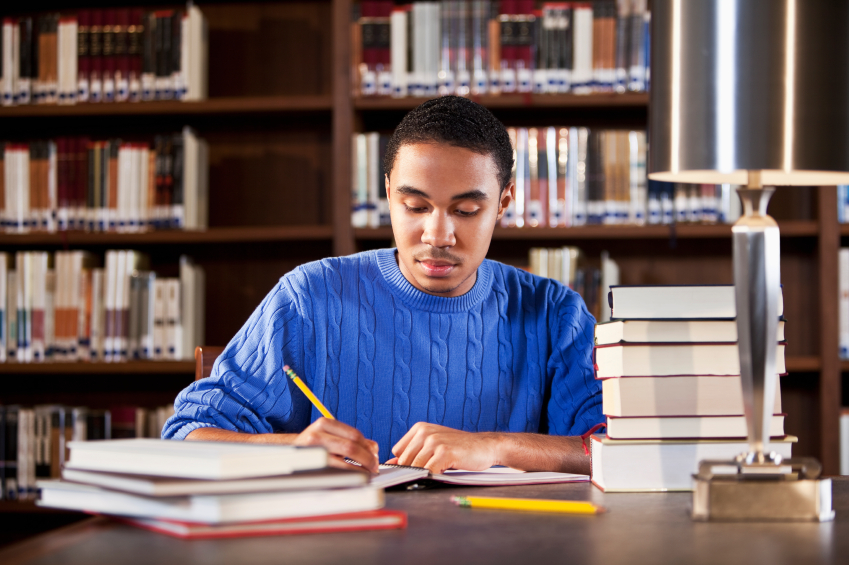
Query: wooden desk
[(639, 528)]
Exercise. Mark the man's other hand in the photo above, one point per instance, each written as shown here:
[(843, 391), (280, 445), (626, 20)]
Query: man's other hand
[(438, 448), (341, 441)]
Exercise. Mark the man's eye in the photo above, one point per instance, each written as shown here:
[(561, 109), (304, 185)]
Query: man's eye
[(415, 210), (467, 214)]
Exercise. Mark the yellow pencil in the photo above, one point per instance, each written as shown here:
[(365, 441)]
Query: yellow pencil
[(527, 504), (306, 390)]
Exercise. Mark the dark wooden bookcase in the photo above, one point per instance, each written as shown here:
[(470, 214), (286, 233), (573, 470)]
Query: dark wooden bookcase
[(279, 121)]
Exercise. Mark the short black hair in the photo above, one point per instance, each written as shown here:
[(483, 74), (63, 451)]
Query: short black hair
[(459, 122)]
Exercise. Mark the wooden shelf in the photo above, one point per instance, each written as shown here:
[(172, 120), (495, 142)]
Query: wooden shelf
[(29, 507), (802, 364), (797, 228), (612, 100), (234, 105), (166, 237), (81, 368)]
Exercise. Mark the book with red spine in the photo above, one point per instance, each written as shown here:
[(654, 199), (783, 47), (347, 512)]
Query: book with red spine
[(120, 32), (352, 522), (83, 55), (135, 42), (109, 57), (507, 72), (95, 50)]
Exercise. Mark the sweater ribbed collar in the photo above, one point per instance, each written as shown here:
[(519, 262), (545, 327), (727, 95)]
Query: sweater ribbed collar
[(415, 298)]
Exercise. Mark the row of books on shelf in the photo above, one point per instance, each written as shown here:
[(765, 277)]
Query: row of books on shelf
[(671, 387), (63, 307), (591, 279), (104, 55), (34, 440), (476, 47), (79, 183), (564, 176)]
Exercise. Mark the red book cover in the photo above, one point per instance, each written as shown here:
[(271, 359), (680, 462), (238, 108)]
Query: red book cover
[(135, 37), (352, 522), (83, 54), (62, 174), (95, 50), (122, 57), (110, 63)]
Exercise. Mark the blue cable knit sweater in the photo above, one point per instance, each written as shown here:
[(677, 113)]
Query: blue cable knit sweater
[(513, 354)]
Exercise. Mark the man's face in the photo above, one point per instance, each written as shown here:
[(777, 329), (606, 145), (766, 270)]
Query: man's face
[(444, 202)]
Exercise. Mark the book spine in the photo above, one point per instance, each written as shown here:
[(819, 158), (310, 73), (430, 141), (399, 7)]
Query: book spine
[(96, 63)]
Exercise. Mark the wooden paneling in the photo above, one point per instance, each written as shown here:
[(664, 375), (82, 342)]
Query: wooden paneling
[(800, 403), (269, 178), (269, 48), (830, 380)]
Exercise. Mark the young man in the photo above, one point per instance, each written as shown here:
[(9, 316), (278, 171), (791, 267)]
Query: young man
[(430, 354)]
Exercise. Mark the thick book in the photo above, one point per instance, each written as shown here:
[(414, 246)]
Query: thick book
[(685, 427), (676, 302), (168, 486), (704, 395), (670, 331), (353, 522), (194, 459), (662, 465), (656, 360), (391, 475), (211, 509)]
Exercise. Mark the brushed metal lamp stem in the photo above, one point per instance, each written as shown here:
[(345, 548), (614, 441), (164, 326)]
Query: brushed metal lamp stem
[(757, 279)]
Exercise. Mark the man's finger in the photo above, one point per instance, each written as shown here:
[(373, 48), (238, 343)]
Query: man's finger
[(414, 446), (426, 453), (338, 428), (402, 444), (358, 451), (340, 463)]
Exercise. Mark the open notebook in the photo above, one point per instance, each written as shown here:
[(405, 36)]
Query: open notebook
[(391, 475)]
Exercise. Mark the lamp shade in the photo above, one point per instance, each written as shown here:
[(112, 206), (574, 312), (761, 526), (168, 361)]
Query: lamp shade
[(742, 85)]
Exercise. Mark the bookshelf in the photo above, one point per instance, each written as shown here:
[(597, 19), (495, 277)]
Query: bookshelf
[(279, 120)]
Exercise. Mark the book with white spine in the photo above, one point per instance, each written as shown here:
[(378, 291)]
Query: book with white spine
[(159, 318), (173, 320), (4, 270), (11, 60), (98, 314), (398, 37), (193, 295)]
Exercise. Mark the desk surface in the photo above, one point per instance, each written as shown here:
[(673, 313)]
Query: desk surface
[(638, 528)]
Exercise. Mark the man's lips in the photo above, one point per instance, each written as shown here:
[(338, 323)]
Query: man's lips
[(436, 268)]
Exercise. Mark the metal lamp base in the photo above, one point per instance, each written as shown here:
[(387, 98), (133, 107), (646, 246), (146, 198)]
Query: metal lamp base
[(790, 490), (758, 485)]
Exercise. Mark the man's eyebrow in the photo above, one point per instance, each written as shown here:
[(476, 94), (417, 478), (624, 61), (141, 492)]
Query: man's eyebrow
[(474, 195)]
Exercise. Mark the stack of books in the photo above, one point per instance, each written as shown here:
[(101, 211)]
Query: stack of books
[(672, 389), (210, 489)]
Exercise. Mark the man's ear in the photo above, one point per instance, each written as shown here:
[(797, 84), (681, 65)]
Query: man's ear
[(507, 196), (388, 192)]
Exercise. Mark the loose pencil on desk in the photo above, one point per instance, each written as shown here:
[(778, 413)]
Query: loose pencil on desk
[(306, 390), (527, 504)]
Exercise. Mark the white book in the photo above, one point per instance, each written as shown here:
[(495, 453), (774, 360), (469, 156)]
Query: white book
[(173, 320), (212, 509), (10, 61), (582, 69), (67, 60), (677, 302), (50, 315), (98, 314), (686, 427), (11, 315), (146, 316), (193, 294), (670, 331), (360, 216), (110, 306), (662, 465), (373, 177), (39, 304), (702, 395), (843, 303), (194, 459), (398, 47), (195, 181), (609, 277), (125, 155), (159, 318), (666, 359), (167, 486), (198, 55)]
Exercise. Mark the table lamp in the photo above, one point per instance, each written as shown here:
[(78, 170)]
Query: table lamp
[(753, 93)]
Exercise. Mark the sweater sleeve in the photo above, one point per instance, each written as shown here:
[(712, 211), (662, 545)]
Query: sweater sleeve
[(247, 390), (574, 405)]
